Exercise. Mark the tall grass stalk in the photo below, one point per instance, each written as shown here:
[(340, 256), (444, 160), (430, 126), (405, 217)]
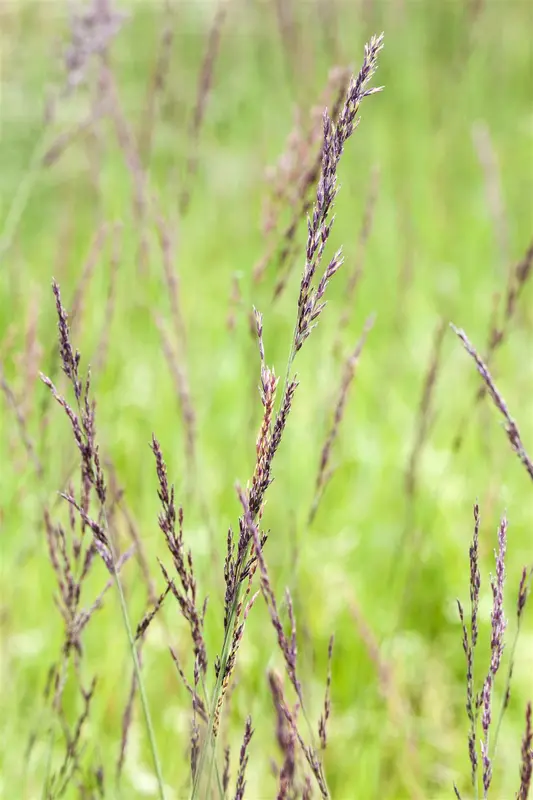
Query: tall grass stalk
[(92, 478), (310, 305)]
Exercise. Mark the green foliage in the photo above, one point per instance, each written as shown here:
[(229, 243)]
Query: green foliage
[(433, 252)]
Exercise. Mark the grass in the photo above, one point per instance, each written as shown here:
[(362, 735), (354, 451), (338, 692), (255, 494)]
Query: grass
[(372, 552)]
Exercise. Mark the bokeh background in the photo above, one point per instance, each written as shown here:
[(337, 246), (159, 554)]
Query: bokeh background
[(444, 158)]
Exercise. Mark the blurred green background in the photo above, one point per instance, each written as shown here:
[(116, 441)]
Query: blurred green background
[(452, 138)]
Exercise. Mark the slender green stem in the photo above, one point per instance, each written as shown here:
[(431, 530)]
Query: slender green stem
[(312, 740), (507, 687), (142, 692), (290, 360), (217, 771)]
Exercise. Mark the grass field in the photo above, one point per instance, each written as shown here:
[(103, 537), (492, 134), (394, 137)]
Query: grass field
[(448, 148)]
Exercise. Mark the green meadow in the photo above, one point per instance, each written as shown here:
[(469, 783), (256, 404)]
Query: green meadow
[(447, 148)]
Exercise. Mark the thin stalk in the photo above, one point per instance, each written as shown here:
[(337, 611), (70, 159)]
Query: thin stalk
[(217, 771), (505, 698), (292, 355), (312, 740), (142, 692)]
